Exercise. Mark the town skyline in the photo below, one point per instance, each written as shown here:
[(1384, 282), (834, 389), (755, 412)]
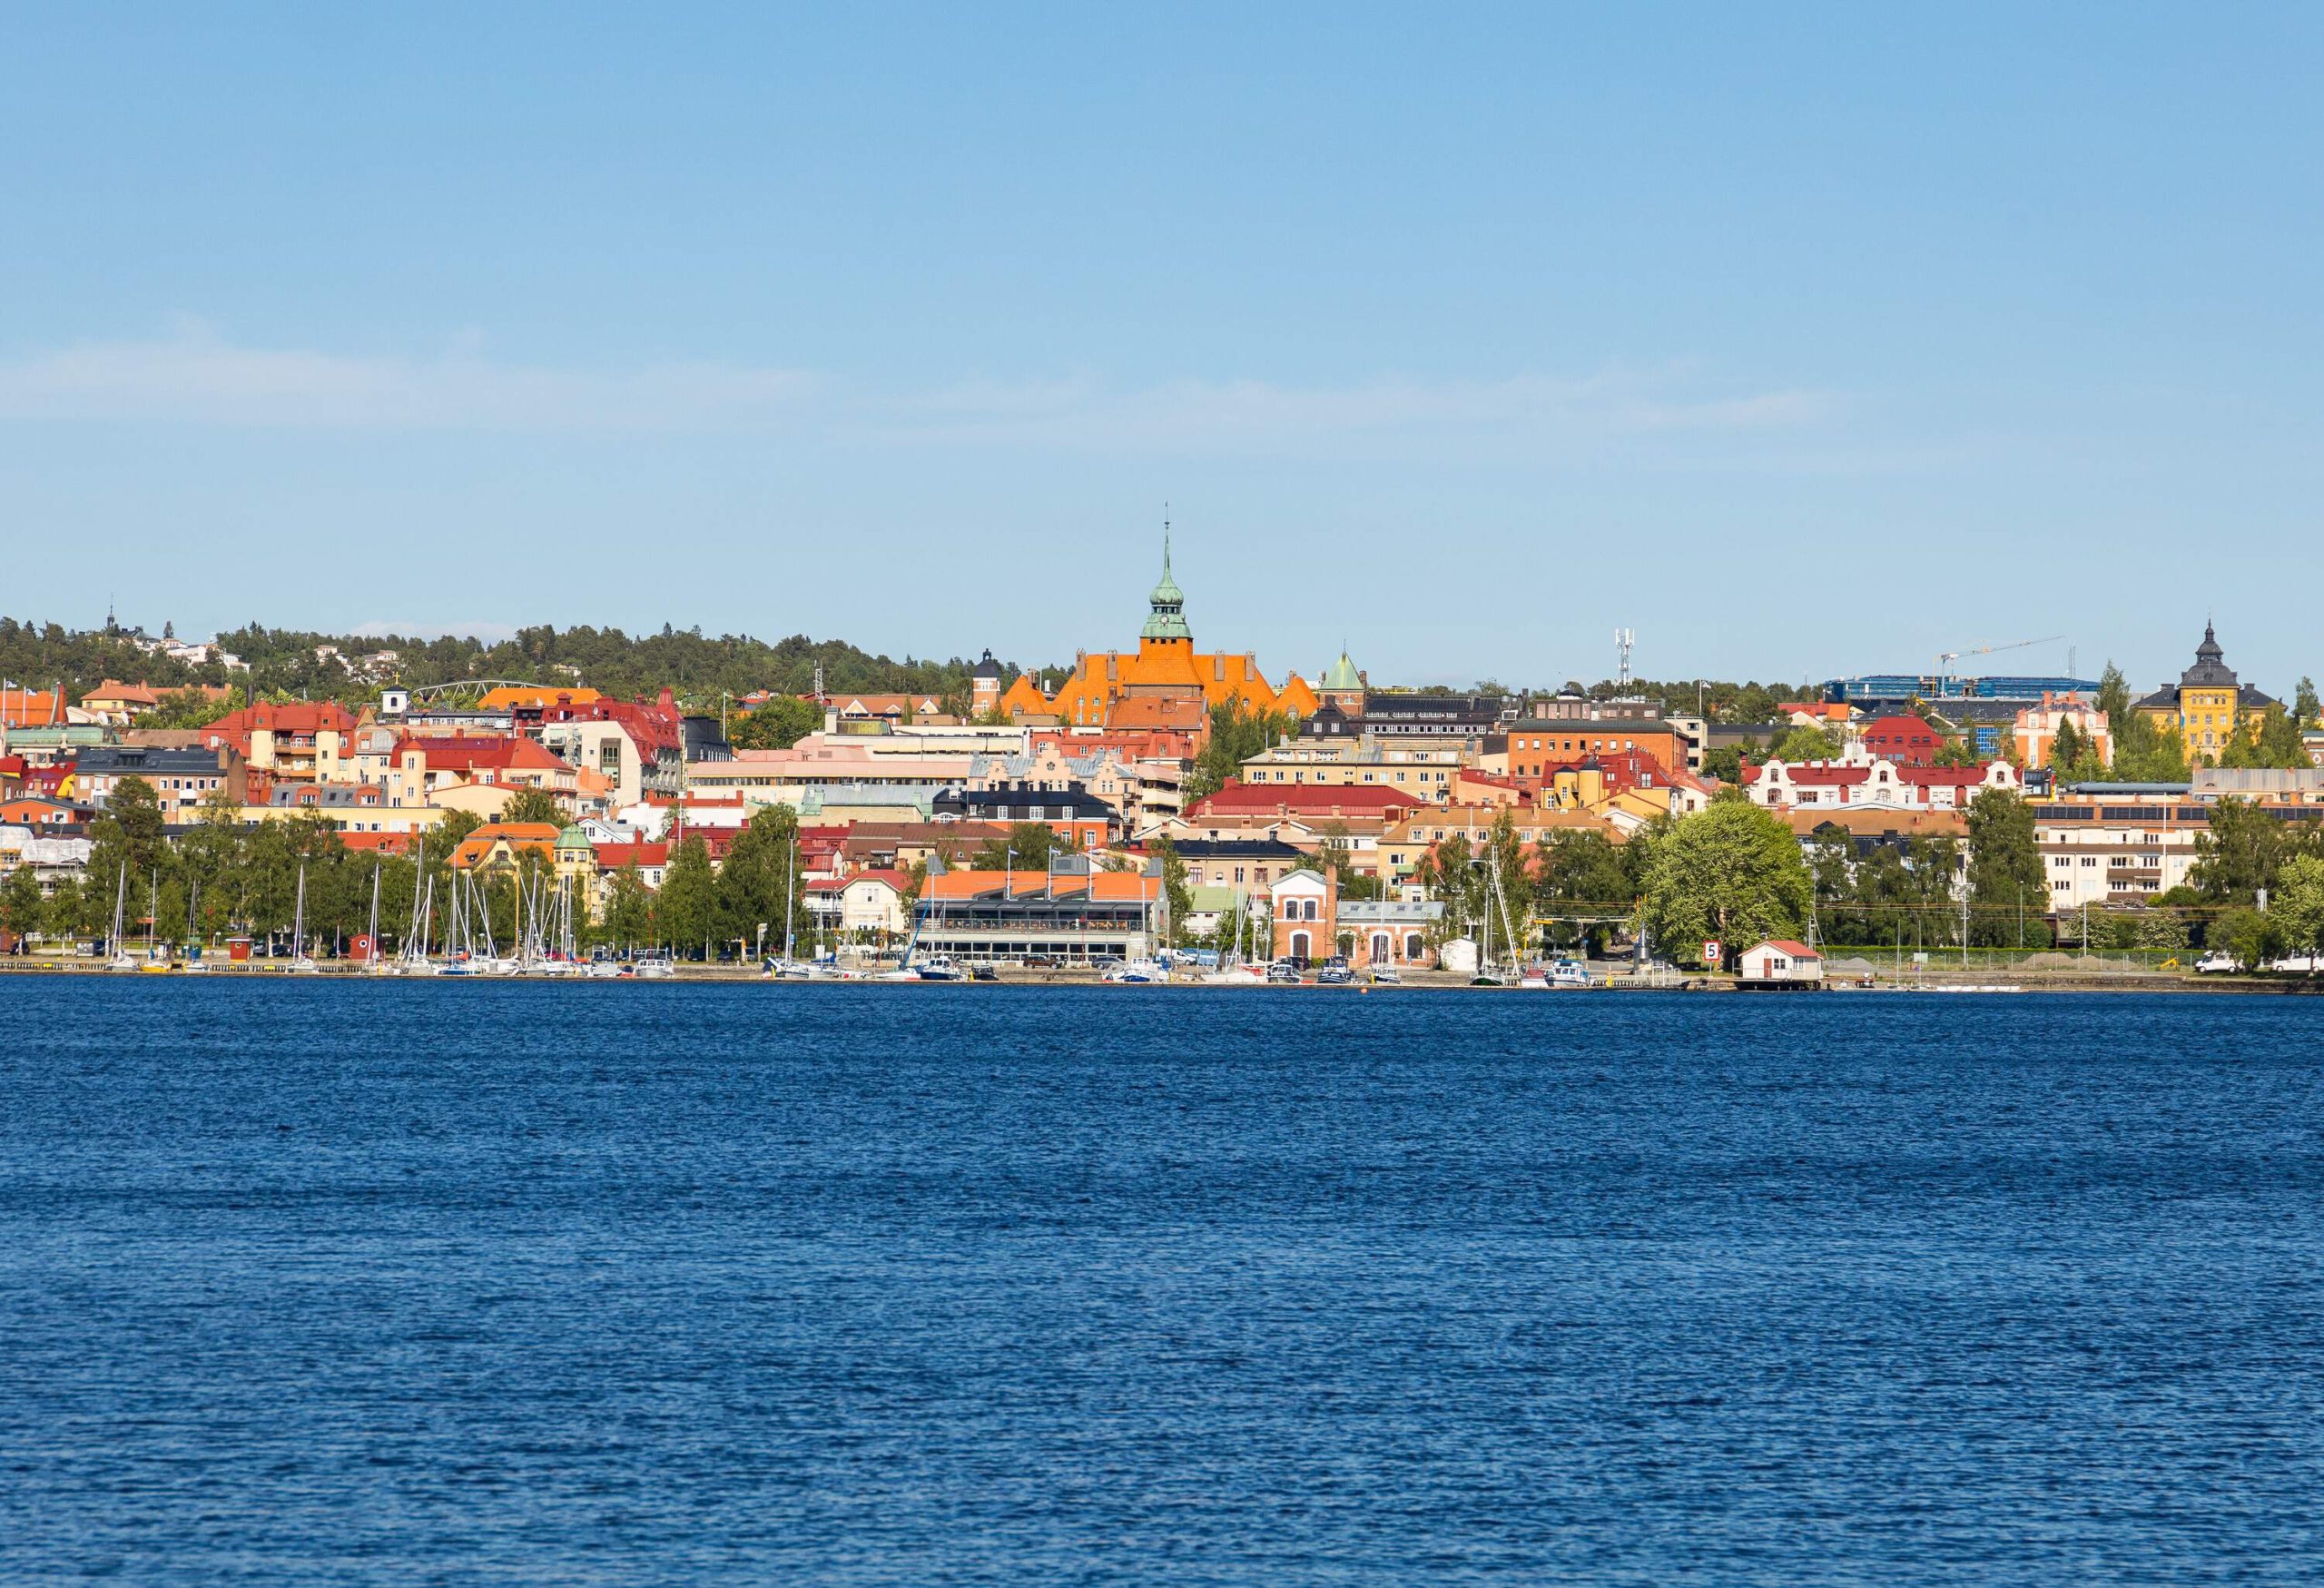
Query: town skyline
[(599, 326)]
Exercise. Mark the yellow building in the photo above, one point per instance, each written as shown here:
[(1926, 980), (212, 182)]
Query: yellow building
[(2206, 707), (1166, 663)]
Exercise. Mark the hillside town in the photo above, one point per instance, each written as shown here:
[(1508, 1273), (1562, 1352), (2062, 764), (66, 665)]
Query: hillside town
[(1150, 805)]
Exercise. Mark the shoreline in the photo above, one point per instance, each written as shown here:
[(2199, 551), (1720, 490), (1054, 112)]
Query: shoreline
[(1996, 982)]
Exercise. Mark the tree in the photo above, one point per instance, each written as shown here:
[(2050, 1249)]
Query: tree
[(2275, 741), (535, 805), (1575, 867), (1448, 871), (1177, 895), (1238, 733), (448, 833), (22, 910), (190, 708), (1508, 879), (2005, 872), (781, 723), (1731, 871), (2143, 753), (2239, 854), (1724, 763), (629, 908), (132, 820), (2298, 905), (2246, 933), (2304, 709), (1028, 847), (1958, 751), (685, 912), (1808, 742), (759, 880)]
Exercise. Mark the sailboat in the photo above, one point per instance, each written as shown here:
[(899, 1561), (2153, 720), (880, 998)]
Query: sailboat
[(119, 958), (301, 962), (456, 961), (372, 963), (195, 963), (157, 957), (1488, 972)]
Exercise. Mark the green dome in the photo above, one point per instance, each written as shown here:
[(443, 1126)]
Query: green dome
[(1341, 676), (1169, 603)]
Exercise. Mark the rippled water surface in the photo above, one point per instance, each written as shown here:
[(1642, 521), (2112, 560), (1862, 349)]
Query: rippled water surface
[(425, 1283)]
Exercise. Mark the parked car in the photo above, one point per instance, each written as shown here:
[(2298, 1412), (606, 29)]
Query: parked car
[(2296, 964), (2218, 962)]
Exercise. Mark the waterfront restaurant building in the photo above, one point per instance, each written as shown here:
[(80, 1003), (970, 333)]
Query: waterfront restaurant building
[(1066, 912)]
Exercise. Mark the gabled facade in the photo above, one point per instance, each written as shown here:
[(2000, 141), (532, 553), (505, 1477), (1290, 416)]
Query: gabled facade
[(1306, 908)]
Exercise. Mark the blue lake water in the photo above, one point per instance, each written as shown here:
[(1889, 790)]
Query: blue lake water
[(429, 1283)]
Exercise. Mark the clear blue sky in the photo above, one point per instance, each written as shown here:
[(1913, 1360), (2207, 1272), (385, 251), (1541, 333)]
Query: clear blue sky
[(1805, 341)]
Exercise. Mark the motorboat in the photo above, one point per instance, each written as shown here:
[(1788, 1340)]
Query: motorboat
[(602, 969), (937, 969), (1138, 971), (658, 969)]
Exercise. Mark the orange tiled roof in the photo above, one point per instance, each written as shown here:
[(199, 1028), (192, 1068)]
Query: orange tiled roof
[(528, 697)]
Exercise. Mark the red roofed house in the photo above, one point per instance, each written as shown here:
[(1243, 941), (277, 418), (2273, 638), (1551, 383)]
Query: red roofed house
[(638, 747), (868, 906), (295, 741), (1779, 962), (650, 857), (1863, 782), (1906, 740)]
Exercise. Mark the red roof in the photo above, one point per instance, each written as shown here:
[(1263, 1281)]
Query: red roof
[(1798, 951), (294, 717), (644, 852), (378, 843), (651, 728), (1903, 739), (1831, 773), (894, 879), (472, 752)]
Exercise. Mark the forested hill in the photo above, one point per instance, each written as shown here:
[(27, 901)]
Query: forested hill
[(696, 666)]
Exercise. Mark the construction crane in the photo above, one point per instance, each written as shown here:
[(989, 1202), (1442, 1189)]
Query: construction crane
[(1945, 658)]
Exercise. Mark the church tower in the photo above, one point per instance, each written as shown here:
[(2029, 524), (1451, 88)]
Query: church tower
[(1166, 630)]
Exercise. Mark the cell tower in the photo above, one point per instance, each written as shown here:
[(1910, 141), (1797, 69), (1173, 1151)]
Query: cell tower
[(1624, 639)]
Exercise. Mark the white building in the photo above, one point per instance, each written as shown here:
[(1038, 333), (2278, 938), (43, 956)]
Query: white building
[(2122, 846)]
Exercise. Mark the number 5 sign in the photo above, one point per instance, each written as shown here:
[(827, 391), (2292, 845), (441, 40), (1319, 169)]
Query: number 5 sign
[(1711, 953)]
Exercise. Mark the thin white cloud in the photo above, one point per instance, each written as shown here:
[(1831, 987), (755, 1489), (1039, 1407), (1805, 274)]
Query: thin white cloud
[(198, 378), (1514, 413)]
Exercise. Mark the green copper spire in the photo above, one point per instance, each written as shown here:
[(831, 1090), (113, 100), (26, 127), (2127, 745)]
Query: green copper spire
[(1169, 602)]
